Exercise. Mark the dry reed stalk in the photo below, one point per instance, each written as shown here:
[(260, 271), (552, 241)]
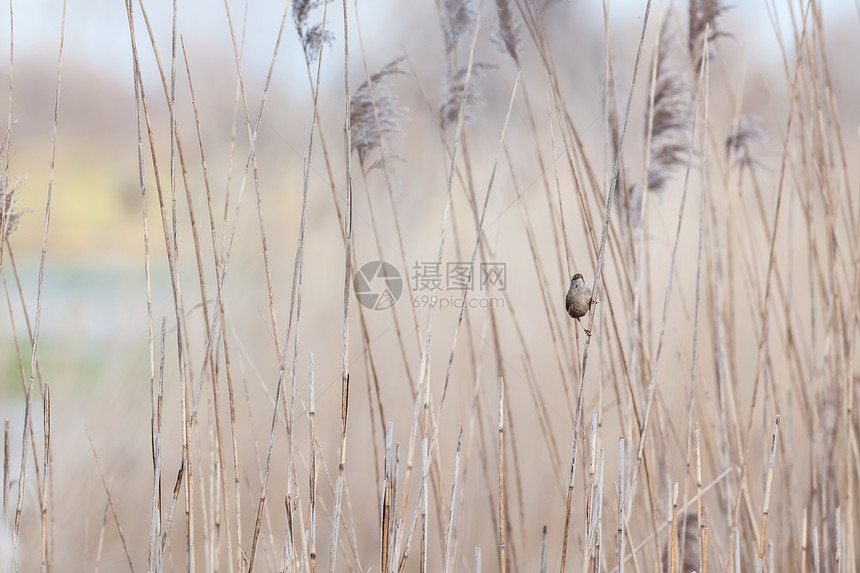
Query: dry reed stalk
[(765, 304), (598, 566), (155, 520), (423, 380), (296, 292), (263, 490), (736, 550), (48, 477), (546, 299), (502, 545), (347, 134), (622, 477), (253, 160), (595, 290), (682, 558), (667, 297), (16, 532), (385, 524), (383, 115), (236, 98), (156, 421), (479, 232), (228, 247), (700, 508), (312, 486), (110, 503), (7, 216), (425, 471), (460, 120), (816, 550), (766, 504), (590, 485), (670, 558), (142, 101), (477, 244), (449, 536), (177, 141), (803, 540), (6, 462), (25, 385), (212, 361), (100, 545), (375, 120), (543, 550)]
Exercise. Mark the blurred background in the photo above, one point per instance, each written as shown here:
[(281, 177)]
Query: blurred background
[(94, 338)]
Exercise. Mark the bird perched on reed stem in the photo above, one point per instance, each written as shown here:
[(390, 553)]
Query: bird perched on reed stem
[(579, 300)]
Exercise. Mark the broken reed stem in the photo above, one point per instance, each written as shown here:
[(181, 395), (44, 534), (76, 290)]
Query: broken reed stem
[(48, 477), (736, 545), (6, 467), (673, 532), (620, 509), (804, 534), (502, 554), (156, 398), (386, 500), (425, 472), (449, 536), (312, 489), (598, 566), (16, 532), (699, 503), (766, 504)]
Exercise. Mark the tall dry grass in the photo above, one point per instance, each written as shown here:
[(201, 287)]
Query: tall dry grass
[(707, 423)]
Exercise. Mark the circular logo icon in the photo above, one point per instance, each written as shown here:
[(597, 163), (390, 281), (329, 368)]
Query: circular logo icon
[(377, 285)]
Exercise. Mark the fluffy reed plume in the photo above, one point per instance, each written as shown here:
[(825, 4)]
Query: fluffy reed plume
[(688, 544), (367, 136), (704, 14), (311, 36), (457, 17), (739, 135), (10, 217), (507, 35), (672, 111), (454, 88)]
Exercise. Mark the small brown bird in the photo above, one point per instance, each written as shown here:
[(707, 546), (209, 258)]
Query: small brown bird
[(579, 300)]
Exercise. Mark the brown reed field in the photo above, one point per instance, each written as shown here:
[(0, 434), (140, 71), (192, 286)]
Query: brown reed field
[(283, 286)]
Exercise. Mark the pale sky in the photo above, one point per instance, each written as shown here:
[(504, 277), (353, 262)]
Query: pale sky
[(97, 30)]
